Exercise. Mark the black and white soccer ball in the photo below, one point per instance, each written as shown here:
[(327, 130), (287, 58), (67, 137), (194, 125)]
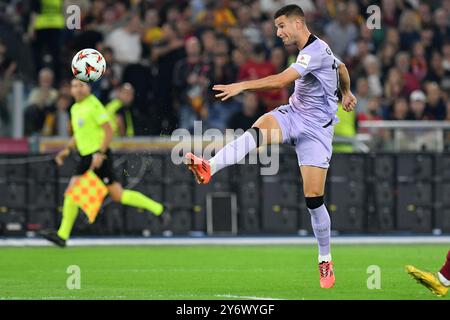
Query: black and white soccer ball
[(88, 65)]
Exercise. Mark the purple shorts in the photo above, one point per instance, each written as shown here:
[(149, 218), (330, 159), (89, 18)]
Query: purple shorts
[(312, 141)]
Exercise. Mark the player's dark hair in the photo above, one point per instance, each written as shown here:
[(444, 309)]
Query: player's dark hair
[(289, 11)]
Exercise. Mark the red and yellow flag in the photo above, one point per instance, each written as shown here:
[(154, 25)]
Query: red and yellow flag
[(88, 193)]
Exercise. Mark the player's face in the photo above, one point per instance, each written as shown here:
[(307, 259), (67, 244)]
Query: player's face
[(79, 89), (287, 29)]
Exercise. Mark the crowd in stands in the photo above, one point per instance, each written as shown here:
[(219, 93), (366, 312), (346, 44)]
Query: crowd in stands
[(163, 57)]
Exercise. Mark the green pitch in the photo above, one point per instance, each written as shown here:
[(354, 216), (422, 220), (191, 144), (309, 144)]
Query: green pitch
[(213, 272)]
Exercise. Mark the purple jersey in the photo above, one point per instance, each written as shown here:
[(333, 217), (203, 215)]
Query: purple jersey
[(315, 94)]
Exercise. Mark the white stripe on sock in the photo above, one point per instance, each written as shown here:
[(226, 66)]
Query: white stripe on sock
[(443, 280)]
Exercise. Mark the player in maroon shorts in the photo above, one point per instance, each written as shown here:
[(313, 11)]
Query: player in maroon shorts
[(436, 283)]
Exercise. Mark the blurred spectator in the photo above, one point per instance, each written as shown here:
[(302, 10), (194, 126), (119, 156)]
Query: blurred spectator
[(270, 40), (278, 59), (393, 88), (7, 69), (425, 15), (249, 29), (208, 43), (389, 13), (362, 95), (435, 108), (340, 32), (373, 111), (403, 64), (152, 31), (393, 38), (400, 110), (409, 26), (372, 68), (165, 55), (110, 79), (437, 72), (442, 27), (120, 113), (57, 119), (418, 61), (387, 55), (40, 101), (258, 67), (45, 25), (418, 101), (223, 16), (251, 111), (126, 41), (191, 83)]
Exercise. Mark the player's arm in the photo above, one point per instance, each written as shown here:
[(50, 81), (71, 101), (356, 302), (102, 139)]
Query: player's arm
[(100, 155), (276, 81), (348, 99), (108, 137), (64, 153)]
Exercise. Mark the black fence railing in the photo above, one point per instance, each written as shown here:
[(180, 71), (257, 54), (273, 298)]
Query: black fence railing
[(365, 193)]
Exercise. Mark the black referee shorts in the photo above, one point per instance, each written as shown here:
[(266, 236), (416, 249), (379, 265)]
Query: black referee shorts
[(105, 172)]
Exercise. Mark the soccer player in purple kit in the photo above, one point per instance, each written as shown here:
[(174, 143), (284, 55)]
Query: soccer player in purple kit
[(306, 122)]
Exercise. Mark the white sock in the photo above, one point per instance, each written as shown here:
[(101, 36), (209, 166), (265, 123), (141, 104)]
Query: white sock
[(325, 258), (233, 152), (443, 280)]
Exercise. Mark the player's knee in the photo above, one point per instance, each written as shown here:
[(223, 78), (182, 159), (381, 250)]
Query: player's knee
[(268, 130), (116, 195), (313, 202), (257, 135)]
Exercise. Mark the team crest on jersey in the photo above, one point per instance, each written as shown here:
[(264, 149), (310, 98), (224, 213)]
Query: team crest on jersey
[(80, 122), (304, 59)]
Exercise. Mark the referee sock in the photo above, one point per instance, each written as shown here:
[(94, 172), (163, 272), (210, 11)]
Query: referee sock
[(70, 212), (321, 224), (138, 200), (236, 150)]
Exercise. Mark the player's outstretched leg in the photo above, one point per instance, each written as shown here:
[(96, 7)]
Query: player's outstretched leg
[(314, 182), (134, 199), (437, 284), (69, 214), (265, 130)]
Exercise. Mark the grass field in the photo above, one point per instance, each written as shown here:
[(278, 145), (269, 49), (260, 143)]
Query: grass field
[(213, 272)]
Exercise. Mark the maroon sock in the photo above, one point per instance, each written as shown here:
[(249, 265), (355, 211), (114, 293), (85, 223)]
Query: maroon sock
[(445, 271)]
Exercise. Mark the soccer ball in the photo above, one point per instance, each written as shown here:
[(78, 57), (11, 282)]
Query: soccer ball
[(88, 65)]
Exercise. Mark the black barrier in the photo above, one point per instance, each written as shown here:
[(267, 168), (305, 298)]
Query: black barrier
[(365, 193)]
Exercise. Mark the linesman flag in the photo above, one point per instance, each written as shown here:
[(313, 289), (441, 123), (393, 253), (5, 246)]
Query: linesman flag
[(88, 193)]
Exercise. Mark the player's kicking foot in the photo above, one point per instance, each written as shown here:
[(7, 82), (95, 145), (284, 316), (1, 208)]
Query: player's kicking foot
[(52, 236), (428, 280), (200, 167), (327, 279)]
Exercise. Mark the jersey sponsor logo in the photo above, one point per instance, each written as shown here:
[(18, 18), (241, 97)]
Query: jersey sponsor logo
[(304, 59), (80, 122)]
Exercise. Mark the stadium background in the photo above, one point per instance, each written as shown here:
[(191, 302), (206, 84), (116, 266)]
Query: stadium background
[(388, 177)]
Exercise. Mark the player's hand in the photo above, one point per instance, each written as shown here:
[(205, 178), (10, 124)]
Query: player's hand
[(348, 102), (61, 156), (97, 160), (228, 90)]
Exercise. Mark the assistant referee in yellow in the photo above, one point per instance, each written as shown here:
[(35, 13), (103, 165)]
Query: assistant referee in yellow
[(92, 134)]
